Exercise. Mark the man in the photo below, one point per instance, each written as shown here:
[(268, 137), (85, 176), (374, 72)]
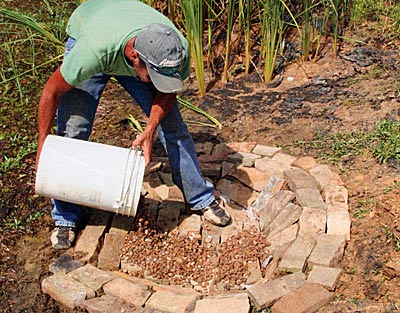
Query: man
[(150, 60)]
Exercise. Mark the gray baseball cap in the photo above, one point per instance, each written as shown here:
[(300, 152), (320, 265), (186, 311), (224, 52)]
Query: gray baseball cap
[(160, 47)]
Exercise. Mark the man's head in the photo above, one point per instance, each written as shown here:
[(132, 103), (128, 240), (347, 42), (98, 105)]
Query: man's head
[(160, 48)]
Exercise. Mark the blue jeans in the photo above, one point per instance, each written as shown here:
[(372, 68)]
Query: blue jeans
[(75, 116)]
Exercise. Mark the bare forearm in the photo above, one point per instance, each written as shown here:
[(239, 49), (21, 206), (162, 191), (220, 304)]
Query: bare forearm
[(161, 106)]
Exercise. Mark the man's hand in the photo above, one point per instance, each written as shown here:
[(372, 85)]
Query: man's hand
[(162, 104), (145, 141)]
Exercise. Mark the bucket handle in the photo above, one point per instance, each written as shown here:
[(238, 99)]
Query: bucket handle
[(121, 203)]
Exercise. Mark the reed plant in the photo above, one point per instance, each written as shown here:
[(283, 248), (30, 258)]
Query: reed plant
[(230, 19), (193, 22)]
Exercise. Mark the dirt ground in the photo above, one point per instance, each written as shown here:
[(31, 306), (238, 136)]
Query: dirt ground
[(330, 96)]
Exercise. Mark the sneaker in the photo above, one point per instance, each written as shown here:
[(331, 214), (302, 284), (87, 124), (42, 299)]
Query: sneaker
[(216, 214), (62, 237)]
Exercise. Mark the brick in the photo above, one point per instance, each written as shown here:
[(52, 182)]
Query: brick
[(298, 178), (232, 147), (295, 257), (286, 217), (265, 294), (339, 223), (283, 238), (307, 299), (190, 226), (108, 304), (328, 251), (244, 158), (266, 150), (168, 216), (274, 206), (128, 291), (336, 198), (109, 255), (236, 303), (284, 158), (64, 264), (237, 192), (271, 167), (312, 222), (306, 163), (310, 197), (66, 290), (250, 176), (325, 176), (172, 302), (324, 276), (92, 277), (273, 185)]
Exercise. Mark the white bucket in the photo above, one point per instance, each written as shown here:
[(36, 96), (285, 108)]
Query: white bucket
[(91, 174)]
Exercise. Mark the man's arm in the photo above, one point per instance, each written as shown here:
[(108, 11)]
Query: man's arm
[(55, 87), (163, 102)]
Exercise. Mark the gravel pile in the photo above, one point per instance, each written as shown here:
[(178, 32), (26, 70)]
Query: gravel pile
[(186, 261)]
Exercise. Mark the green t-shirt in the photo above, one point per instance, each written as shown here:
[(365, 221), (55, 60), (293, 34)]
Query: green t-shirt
[(101, 29)]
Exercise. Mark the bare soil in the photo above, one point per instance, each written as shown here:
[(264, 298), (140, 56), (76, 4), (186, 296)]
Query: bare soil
[(330, 96)]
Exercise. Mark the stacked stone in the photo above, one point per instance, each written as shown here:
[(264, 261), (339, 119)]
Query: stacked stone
[(290, 213)]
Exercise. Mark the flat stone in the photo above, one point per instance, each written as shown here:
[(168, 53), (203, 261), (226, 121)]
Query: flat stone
[(298, 178), (129, 267), (152, 167), (306, 163), (310, 197), (88, 245), (66, 290), (255, 273), (176, 289), (312, 222), (109, 255), (204, 147), (265, 294), (277, 202), (266, 150), (250, 176), (283, 238), (295, 257), (190, 226), (273, 185), (162, 191), (150, 182), (339, 223), (168, 217), (328, 251), (232, 147), (244, 158), (211, 235), (121, 224), (237, 192), (325, 176), (64, 264), (108, 304), (336, 198), (92, 277), (226, 168), (286, 217), (211, 169), (126, 290), (284, 158), (324, 276), (235, 303), (271, 167), (166, 178), (307, 299), (168, 301), (175, 194)]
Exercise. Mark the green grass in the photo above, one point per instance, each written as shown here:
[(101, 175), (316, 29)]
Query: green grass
[(364, 208), (383, 142)]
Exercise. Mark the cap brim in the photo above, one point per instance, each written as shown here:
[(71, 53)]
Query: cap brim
[(165, 83)]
